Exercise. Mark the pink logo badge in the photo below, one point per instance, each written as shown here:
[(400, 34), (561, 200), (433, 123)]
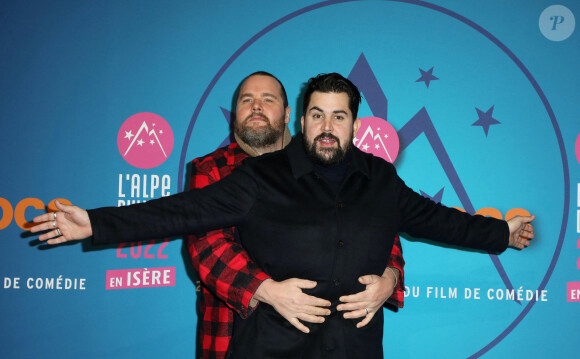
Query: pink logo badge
[(577, 149), (140, 278), (145, 140), (378, 137), (573, 290)]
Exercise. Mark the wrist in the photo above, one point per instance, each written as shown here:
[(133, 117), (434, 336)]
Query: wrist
[(395, 273), (262, 293)]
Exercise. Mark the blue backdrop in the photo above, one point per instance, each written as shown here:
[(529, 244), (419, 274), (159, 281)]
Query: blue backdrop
[(483, 95)]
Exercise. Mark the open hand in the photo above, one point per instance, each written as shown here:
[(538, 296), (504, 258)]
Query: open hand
[(70, 223), (368, 302), (292, 303)]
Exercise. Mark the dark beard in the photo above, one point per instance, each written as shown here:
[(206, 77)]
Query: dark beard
[(336, 154), (262, 136)]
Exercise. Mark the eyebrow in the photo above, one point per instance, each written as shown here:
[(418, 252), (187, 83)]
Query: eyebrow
[(316, 108), (263, 94)]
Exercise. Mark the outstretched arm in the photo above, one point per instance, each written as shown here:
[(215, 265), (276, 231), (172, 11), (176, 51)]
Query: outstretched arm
[(70, 223)]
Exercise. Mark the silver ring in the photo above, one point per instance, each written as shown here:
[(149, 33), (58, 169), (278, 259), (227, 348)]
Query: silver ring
[(54, 215), (367, 311), (53, 224), (58, 232)]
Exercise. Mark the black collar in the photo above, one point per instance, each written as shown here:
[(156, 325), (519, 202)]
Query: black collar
[(301, 164)]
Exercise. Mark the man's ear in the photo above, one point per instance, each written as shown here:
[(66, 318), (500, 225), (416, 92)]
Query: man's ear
[(302, 123), (355, 126), (287, 114)]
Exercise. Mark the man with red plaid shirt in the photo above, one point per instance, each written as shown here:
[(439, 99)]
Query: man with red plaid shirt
[(230, 280)]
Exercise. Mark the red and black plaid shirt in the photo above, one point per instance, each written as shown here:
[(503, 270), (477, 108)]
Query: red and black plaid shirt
[(229, 278)]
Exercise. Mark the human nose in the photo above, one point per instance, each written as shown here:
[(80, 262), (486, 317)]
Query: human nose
[(257, 105), (327, 125)]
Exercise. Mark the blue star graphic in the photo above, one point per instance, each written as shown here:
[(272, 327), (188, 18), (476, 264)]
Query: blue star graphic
[(436, 198), (485, 120), (427, 76), (230, 117)]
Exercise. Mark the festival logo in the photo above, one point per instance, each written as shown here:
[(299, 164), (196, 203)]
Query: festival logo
[(145, 140), (456, 97), (577, 148), (573, 288), (378, 137)]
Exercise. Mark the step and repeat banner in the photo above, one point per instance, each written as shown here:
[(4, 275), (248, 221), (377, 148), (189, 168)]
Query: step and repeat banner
[(104, 103)]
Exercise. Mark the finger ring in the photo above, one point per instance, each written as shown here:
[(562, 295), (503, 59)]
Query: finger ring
[(54, 215), (53, 224), (58, 232), (367, 309)]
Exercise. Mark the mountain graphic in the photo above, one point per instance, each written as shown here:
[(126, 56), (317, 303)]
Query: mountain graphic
[(145, 128), (374, 140)]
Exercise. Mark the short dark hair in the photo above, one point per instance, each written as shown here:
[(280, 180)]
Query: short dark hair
[(336, 83), (264, 73)]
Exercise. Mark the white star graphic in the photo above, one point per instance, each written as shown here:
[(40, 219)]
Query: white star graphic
[(152, 142), (365, 147), (160, 132), (140, 142), (377, 146), (129, 134), (386, 135)]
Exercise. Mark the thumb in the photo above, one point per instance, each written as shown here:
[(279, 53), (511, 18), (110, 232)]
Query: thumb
[(367, 279), (59, 205), (525, 222), (62, 207), (525, 219), (528, 219)]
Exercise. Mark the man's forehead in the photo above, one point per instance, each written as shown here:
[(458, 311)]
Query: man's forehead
[(260, 83), (329, 101)]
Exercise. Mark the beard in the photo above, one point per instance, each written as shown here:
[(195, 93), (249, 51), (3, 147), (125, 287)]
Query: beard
[(326, 157), (260, 136)]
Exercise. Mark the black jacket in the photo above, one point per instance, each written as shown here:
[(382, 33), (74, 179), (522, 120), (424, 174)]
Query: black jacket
[(294, 225)]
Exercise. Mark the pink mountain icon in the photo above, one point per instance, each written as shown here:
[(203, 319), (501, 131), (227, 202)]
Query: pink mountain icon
[(145, 140), (378, 137)]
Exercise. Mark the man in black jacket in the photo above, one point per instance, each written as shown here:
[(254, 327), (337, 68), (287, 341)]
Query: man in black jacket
[(319, 209)]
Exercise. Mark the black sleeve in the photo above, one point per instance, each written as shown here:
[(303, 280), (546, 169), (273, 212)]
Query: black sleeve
[(423, 218), (222, 204)]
